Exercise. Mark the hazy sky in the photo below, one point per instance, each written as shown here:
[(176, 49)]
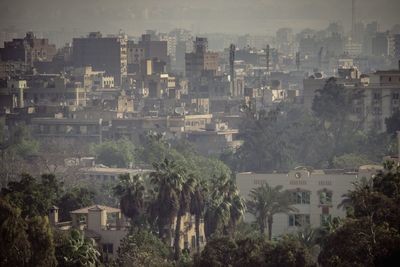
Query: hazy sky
[(230, 16)]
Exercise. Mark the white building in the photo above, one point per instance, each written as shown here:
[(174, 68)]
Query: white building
[(315, 194)]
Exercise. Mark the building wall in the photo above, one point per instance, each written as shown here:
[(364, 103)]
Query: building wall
[(108, 54), (28, 50), (298, 181)]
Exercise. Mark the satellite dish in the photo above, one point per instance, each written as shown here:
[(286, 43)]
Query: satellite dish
[(180, 110)]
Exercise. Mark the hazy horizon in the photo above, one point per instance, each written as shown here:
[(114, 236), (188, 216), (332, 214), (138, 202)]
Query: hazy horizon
[(227, 16)]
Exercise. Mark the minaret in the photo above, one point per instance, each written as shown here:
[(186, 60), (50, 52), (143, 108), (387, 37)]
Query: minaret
[(353, 19), (232, 49)]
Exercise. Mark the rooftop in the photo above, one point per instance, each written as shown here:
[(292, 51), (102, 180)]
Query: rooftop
[(95, 208)]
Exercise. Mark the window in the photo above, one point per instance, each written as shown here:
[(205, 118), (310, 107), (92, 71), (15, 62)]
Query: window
[(299, 220), (377, 95), (300, 197), (376, 111), (193, 241), (395, 96), (108, 248), (325, 219), (325, 197)]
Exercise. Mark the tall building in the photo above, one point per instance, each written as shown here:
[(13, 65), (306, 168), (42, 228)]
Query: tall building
[(380, 44), (200, 60), (396, 46), (154, 48), (136, 55), (102, 53), (28, 50)]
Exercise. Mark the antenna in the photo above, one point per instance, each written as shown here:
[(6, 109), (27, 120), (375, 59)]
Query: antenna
[(267, 61)]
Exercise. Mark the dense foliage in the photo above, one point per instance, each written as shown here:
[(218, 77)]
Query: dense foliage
[(142, 248), (224, 251), (288, 135), (371, 234), (118, 153)]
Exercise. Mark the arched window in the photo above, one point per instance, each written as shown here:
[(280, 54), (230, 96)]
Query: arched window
[(325, 197), (299, 196)]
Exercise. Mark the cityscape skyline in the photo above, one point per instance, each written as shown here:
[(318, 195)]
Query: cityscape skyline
[(233, 17)]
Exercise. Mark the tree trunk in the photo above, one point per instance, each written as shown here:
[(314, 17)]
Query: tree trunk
[(270, 221), (197, 229), (262, 227), (161, 230), (177, 236)]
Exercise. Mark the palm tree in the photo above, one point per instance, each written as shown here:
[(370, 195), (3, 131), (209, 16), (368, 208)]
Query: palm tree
[(216, 215), (348, 198), (225, 208), (131, 192), (236, 212), (168, 179), (197, 206), (184, 206), (266, 201)]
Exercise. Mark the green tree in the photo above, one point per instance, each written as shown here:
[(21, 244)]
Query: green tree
[(15, 248), (198, 205), (118, 153), (252, 251), (184, 207), (393, 123), (333, 106), (22, 142), (142, 248), (24, 241), (218, 252), (350, 161), (72, 199), (371, 236), (40, 237), (168, 179), (33, 198), (289, 252), (224, 207), (224, 251), (279, 140), (131, 192), (74, 250), (266, 201)]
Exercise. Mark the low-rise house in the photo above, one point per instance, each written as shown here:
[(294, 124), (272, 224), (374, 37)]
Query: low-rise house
[(107, 226)]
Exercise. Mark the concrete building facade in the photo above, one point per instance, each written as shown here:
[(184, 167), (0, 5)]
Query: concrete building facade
[(315, 194), (107, 54)]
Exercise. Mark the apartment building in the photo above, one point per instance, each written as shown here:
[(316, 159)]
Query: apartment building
[(107, 54), (315, 194), (380, 95)]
